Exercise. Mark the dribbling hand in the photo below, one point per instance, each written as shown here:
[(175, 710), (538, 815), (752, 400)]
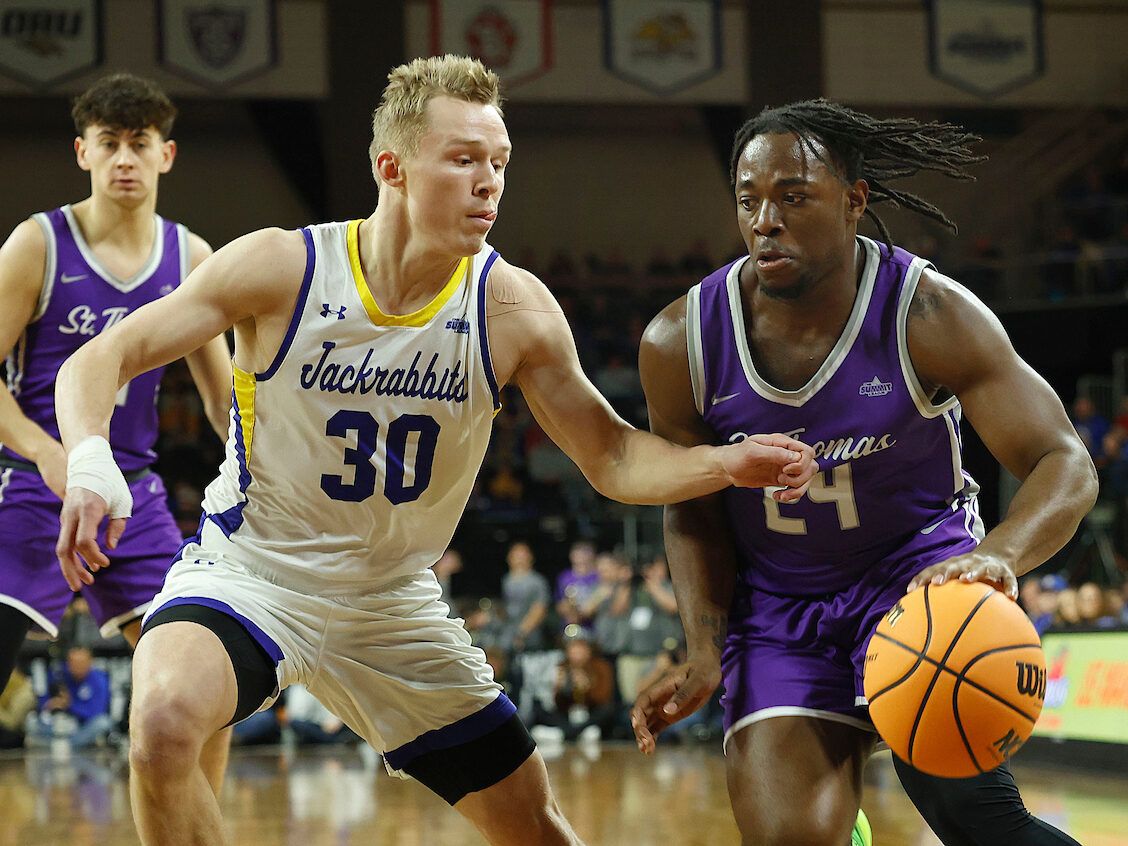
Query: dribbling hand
[(680, 692), (765, 461), (973, 566)]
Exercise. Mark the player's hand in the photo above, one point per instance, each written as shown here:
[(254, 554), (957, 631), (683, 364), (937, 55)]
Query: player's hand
[(681, 691), (52, 466), (765, 461), (974, 566), (79, 555)]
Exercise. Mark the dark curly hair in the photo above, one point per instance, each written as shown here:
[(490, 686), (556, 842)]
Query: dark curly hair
[(124, 101), (865, 147)]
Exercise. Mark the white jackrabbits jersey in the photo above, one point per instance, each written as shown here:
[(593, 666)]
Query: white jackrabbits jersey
[(350, 459)]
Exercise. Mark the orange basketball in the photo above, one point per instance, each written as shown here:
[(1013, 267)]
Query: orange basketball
[(955, 678)]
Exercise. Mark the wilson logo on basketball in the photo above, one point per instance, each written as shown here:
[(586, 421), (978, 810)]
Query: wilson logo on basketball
[(1031, 680)]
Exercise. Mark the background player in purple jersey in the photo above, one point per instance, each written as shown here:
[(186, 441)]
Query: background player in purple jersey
[(868, 354), (65, 276)]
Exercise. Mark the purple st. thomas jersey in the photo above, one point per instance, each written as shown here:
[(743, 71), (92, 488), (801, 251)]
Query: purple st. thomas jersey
[(80, 299), (891, 488)]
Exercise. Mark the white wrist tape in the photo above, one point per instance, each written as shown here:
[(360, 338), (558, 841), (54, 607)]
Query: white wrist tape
[(91, 466)]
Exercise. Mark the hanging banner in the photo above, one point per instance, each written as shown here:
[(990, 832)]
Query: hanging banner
[(214, 44), (662, 45), (986, 47), (511, 37), (45, 41)]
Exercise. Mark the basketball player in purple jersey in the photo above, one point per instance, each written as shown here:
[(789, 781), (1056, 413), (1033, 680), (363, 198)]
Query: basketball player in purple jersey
[(869, 355), (65, 276)]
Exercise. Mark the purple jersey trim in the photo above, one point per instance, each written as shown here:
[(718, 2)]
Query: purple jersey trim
[(299, 307), (262, 638), (483, 337), (468, 728)]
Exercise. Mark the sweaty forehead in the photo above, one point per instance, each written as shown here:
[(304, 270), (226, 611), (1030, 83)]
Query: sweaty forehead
[(779, 156)]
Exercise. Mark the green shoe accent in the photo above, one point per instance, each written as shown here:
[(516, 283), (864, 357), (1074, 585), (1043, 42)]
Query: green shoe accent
[(861, 835)]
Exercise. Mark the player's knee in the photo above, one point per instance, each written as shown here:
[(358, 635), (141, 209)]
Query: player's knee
[(165, 740), (797, 827)]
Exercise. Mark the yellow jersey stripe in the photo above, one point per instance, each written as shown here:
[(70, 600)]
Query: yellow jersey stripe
[(417, 318), (245, 399)]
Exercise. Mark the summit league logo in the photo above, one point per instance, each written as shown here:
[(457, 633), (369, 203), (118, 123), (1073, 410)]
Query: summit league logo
[(875, 388)]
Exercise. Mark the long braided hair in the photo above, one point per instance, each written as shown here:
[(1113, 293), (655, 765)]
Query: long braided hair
[(865, 147)]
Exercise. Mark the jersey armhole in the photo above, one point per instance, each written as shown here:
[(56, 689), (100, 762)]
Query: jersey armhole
[(299, 308), (923, 404), (693, 345), (50, 266), (483, 332)]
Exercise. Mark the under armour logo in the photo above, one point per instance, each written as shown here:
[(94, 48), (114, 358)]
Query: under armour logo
[(326, 311)]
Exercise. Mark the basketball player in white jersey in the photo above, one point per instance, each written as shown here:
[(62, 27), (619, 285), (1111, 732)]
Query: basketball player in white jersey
[(368, 358)]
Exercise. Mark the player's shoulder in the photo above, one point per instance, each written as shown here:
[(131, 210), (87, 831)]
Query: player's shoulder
[(198, 248), (270, 248), (510, 287), (27, 238), (23, 255), (939, 300), (665, 334)]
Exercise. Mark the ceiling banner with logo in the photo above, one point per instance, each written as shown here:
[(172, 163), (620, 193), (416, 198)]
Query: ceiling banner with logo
[(45, 41), (987, 47), (662, 45), (512, 37), (217, 44)]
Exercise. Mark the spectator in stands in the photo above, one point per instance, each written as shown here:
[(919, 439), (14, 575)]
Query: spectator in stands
[(312, 722), (17, 701), (449, 564), (653, 625), (1066, 616), (1029, 592), (609, 605), (1115, 608), (527, 599), (575, 586), (583, 693), (487, 630), (78, 627), (1092, 607), (1091, 426), (77, 704), (1045, 609)]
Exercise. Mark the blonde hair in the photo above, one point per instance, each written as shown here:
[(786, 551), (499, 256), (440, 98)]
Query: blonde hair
[(400, 120)]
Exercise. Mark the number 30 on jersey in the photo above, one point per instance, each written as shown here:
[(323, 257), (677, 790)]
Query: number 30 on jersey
[(363, 426)]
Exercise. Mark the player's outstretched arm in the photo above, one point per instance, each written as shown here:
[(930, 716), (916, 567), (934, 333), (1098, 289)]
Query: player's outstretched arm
[(698, 542), (1019, 418), (251, 280), (620, 461), (23, 259), (210, 365)]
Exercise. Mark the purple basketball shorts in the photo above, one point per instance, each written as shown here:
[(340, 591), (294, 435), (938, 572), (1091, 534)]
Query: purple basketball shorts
[(805, 655), (30, 578)]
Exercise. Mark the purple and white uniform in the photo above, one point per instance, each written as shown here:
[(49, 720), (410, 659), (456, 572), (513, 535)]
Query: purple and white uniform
[(891, 496), (79, 299)]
